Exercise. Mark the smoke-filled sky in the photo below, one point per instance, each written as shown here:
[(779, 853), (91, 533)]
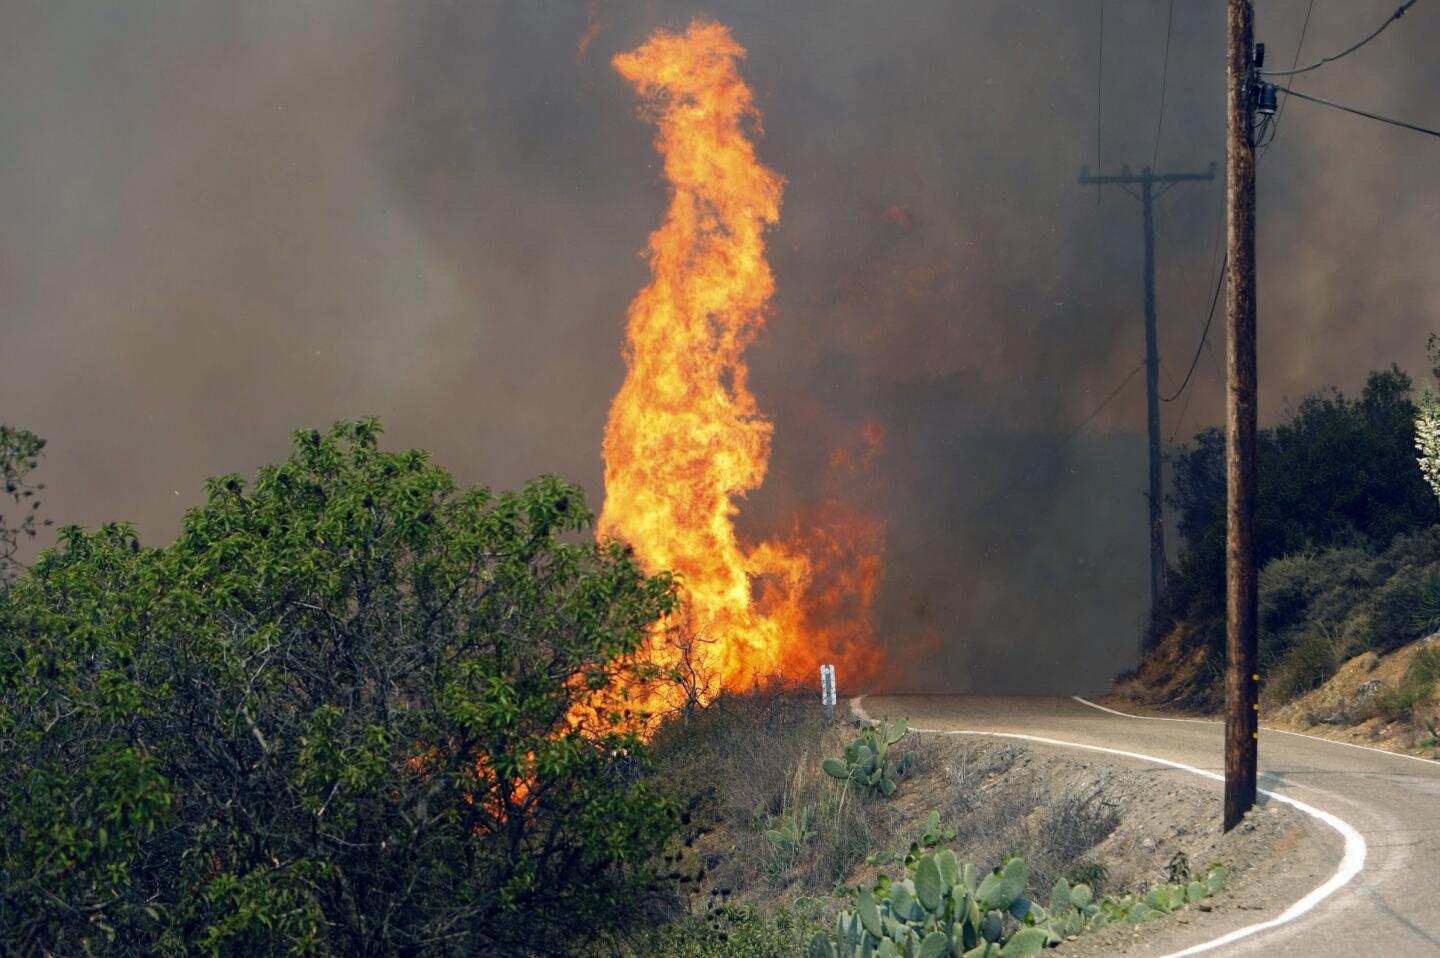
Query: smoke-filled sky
[(223, 221)]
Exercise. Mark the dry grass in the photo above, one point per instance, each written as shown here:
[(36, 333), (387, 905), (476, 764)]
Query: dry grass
[(1000, 807), (751, 764), (1417, 690)]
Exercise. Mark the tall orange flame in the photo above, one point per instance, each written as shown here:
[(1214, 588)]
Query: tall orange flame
[(686, 439)]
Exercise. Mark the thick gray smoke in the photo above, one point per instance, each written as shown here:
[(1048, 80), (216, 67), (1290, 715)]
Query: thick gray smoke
[(221, 222)]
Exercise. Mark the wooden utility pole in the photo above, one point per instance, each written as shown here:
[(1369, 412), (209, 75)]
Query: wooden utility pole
[(1147, 181), (1242, 678)]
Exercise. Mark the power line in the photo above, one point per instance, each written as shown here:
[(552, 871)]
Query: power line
[(1205, 338), (1164, 76), (1104, 402), (1181, 421), (1214, 257), (1274, 125), (1345, 53), (1350, 109), (1099, 96), (1205, 335), (1299, 45)]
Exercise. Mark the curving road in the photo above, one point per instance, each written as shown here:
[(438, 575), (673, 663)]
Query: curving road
[(1383, 896)]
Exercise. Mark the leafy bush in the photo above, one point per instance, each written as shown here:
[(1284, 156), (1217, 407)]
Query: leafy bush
[(1394, 607), (1426, 616), (19, 455), (1401, 702), (1432, 738), (1417, 689), (1425, 667), (343, 714), (1338, 473), (1320, 607), (1089, 873), (729, 931), (1308, 663)]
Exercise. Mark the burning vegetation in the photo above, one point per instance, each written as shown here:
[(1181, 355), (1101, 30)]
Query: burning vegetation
[(686, 439)]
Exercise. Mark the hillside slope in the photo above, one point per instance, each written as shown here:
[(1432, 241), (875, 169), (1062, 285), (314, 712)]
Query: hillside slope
[(1384, 701)]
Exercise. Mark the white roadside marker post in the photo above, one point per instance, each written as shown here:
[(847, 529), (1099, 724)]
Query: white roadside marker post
[(827, 690)]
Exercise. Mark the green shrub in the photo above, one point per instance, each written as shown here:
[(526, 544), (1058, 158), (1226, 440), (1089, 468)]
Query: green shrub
[(729, 931), (1320, 608), (1401, 702), (1308, 663), (1432, 737), (19, 456), (1425, 667), (1290, 585), (1338, 474), (1416, 690), (1089, 873), (1426, 617), (1394, 608), (342, 714)]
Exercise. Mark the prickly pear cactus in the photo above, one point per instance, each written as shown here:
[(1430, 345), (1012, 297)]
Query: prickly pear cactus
[(1160, 900), (866, 762), (793, 832), (943, 909)]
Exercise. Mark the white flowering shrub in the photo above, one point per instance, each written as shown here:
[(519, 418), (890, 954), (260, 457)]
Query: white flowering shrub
[(1427, 439)]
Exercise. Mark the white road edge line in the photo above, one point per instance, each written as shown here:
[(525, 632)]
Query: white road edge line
[(1351, 862), (1265, 728)]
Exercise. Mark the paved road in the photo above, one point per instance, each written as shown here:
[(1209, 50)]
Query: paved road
[(1391, 909)]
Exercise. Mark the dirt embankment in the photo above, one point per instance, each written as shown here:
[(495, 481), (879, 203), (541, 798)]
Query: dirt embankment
[(1173, 677), (1078, 818), (1374, 700), (1156, 829)]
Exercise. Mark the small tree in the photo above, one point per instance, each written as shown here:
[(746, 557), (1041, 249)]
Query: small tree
[(345, 713)]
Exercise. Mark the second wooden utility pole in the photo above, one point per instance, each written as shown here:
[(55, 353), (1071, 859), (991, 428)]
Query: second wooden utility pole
[(1242, 678), (1147, 181)]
